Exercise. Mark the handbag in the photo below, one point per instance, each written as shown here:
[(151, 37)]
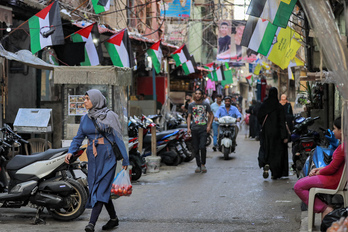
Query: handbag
[(114, 146)]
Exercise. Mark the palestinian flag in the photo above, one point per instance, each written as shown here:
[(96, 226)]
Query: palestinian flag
[(93, 52), (181, 55), (210, 66), (276, 11), (45, 28), (250, 79), (155, 52), (189, 66), (101, 6), (258, 35), (219, 74), (120, 49)]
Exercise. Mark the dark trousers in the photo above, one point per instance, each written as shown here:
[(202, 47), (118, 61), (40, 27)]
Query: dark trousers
[(96, 210), (199, 139)]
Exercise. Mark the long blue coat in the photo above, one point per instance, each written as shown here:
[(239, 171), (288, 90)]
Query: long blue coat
[(101, 169)]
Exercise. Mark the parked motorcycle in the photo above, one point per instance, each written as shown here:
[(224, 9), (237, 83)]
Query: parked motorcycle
[(304, 140), (40, 180), (321, 156), (227, 135), (137, 162)]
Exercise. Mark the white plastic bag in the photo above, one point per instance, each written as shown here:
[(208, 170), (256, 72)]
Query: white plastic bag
[(121, 185)]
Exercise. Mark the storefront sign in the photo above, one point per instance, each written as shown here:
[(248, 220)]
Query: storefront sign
[(176, 8), (176, 32)]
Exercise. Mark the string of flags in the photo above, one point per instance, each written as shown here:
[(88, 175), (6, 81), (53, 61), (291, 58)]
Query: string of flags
[(266, 32)]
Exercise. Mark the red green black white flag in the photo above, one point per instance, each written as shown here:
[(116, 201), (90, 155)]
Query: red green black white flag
[(155, 52), (101, 6), (181, 55), (93, 52), (120, 49), (189, 66), (45, 28)]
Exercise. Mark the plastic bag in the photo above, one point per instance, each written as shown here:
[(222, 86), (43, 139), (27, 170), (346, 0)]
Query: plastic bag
[(332, 217), (121, 185)]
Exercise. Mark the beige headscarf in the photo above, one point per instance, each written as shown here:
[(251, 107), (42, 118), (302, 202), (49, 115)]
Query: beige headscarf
[(283, 99)]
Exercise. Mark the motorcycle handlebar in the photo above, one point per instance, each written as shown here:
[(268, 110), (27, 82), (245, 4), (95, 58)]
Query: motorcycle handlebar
[(4, 143)]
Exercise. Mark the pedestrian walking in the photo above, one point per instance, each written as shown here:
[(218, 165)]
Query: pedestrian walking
[(323, 177), (201, 125), (214, 108), (289, 116), (101, 159), (188, 100), (254, 126), (273, 154)]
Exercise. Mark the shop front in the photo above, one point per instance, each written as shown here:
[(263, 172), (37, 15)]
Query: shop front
[(112, 81)]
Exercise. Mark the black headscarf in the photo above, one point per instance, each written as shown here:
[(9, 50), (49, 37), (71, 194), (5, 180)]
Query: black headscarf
[(270, 104)]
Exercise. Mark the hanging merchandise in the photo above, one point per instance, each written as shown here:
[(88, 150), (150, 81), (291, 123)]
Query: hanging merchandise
[(263, 88), (258, 90), (210, 85)]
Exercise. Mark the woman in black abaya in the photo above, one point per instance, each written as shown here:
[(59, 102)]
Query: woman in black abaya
[(273, 137)]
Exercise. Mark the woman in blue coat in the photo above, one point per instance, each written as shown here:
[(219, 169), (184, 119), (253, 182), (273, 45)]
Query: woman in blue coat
[(101, 159)]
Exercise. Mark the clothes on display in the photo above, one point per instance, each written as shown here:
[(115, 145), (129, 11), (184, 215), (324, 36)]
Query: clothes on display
[(263, 88)]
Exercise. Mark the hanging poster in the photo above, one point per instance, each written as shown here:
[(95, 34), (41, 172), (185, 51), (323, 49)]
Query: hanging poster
[(176, 8), (76, 106), (229, 43)]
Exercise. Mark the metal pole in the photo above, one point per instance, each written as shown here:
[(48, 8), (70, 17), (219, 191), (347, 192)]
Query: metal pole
[(154, 88)]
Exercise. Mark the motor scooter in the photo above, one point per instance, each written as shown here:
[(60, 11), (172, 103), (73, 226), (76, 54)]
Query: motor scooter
[(41, 180), (304, 141), (227, 135)]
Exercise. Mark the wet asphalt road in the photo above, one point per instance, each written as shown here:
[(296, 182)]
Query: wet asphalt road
[(231, 196)]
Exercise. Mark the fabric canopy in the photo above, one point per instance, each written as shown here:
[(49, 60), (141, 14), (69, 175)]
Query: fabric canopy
[(26, 57)]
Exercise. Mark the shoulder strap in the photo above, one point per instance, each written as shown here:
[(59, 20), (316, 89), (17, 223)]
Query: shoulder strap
[(100, 131), (264, 120)]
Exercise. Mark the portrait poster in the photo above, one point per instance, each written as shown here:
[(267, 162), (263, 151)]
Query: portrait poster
[(229, 43), (76, 106), (176, 8)]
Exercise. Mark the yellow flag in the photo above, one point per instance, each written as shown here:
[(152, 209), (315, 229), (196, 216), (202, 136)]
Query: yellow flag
[(257, 69), (285, 47)]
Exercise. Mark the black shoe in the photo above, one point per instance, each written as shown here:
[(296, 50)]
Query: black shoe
[(89, 227), (110, 224), (214, 148), (265, 171)]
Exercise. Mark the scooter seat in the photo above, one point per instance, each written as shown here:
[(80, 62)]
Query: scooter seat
[(20, 161), (159, 135)]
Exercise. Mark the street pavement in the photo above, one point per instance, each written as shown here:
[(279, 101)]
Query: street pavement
[(231, 196)]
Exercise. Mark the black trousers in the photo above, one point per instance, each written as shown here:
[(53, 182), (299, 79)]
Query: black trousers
[(199, 139)]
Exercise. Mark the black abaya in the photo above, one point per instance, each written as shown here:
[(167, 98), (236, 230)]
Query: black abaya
[(273, 134)]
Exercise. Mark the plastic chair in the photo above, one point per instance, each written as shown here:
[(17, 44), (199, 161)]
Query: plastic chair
[(36, 145), (340, 190)]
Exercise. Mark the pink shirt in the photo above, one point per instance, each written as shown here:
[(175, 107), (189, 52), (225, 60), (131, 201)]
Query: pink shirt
[(330, 176)]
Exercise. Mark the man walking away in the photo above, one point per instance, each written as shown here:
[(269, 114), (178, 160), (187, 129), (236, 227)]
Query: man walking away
[(201, 125)]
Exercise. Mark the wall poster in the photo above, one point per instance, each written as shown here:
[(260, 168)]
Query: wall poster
[(76, 106)]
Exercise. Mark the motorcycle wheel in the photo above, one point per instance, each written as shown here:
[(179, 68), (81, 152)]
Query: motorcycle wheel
[(75, 203), (136, 171), (173, 149), (226, 152), (209, 140), (174, 158)]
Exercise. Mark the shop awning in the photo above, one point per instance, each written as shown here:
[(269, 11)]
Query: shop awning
[(27, 58), (94, 75)]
